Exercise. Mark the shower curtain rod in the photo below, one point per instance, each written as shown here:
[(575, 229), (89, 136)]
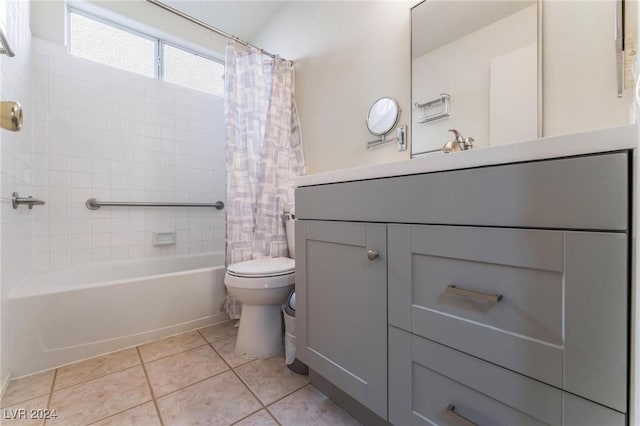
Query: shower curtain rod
[(206, 26)]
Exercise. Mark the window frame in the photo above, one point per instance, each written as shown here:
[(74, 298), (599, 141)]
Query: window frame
[(159, 42)]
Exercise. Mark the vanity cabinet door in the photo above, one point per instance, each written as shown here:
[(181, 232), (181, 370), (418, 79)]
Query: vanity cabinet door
[(341, 312), (551, 305)]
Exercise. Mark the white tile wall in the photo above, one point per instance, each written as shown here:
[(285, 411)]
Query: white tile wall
[(15, 165), (106, 133)]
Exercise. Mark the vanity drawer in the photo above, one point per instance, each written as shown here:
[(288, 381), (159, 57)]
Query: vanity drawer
[(589, 192), (548, 304), (432, 384)]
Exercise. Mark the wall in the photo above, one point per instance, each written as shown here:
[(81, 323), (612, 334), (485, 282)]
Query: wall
[(347, 55), (15, 175), (114, 135), (462, 69), (580, 90)]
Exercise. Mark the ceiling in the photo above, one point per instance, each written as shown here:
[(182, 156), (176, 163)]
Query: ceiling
[(243, 19), (436, 23)]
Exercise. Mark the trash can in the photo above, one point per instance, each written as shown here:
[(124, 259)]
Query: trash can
[(290, 359)]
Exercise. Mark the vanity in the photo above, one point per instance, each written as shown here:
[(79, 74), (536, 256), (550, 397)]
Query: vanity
[(488, 287)]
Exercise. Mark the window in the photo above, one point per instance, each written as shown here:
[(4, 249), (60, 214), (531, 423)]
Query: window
[(188, 69), (113, 46), (98, 40)]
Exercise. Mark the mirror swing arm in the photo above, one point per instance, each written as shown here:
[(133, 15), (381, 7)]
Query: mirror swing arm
[(401, 138)]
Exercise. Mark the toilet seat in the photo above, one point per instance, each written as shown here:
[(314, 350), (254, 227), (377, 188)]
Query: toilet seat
[(261, 273), (265, 267)]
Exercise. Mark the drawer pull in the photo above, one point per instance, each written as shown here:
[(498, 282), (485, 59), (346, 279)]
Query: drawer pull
[(451, 410), (372, 254), (494, 298)]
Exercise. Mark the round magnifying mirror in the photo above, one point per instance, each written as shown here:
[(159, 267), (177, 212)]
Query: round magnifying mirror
[(383, 116)]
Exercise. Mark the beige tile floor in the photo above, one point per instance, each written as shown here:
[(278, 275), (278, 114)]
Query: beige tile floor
[(193, 378)]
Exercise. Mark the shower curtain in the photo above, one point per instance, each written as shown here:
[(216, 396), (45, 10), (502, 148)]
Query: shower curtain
[(264, 154)]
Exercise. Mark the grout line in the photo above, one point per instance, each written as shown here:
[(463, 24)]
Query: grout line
[(217, 340), (248, 360), (153, 396), (206, 342), (194, 383), (239, 378), (205, 339), (273, 416), (220, 355), (274, 401), (119, 412), (232, 369), (216, 352), (246, 385), (287, 395), (22, 401), (248, 415), (264, 407), (53, 383), (96, 377), (176, 353)]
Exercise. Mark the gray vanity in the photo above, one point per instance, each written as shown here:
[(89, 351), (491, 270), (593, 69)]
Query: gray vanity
[(492, 294)]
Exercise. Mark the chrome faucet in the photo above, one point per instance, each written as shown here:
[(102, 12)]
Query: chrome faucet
[(458, 144)]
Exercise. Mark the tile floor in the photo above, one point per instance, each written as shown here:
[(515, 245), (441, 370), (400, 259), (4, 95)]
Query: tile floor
[(193, 378)]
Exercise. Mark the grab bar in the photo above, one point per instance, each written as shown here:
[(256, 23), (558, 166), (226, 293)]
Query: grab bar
[(93, 204), (17, 200)]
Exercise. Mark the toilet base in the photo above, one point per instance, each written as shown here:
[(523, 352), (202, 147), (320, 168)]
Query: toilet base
[(260, 332)]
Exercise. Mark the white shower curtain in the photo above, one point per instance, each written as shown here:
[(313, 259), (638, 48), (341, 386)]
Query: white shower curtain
[(264, 154)]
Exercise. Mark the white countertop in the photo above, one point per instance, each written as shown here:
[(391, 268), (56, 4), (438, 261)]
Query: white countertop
[(611, 139)]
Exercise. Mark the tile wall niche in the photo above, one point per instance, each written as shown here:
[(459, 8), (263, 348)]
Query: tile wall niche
[(113, 135), (15, 168)]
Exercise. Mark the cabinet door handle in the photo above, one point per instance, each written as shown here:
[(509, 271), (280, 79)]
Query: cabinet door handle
[(451, 410), (494, 298), (372, 254)]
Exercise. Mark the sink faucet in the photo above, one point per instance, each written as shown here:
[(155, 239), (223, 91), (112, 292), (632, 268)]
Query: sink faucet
[(458, 144)]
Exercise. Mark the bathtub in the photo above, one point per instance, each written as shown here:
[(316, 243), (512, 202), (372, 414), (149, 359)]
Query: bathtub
[(63, 316)]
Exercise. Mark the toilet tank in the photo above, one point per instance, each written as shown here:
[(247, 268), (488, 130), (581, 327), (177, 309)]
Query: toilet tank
[(290, 226)]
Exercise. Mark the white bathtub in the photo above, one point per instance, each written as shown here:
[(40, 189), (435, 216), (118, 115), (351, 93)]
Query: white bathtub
[(67, 315)]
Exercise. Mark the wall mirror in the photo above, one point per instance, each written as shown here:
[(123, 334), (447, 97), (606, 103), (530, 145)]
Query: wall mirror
[(477, 66), (383, 116), (474, 68)]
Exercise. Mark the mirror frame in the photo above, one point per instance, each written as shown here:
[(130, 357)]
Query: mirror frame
[(539, 4), (395, 122)]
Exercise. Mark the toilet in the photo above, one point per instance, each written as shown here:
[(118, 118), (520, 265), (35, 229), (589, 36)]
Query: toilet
[(262, 286)]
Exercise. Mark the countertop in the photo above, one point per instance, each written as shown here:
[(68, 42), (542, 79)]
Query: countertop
[(605, 140)]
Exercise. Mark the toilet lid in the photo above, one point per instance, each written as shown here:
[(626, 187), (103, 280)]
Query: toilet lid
[(265, 267)]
